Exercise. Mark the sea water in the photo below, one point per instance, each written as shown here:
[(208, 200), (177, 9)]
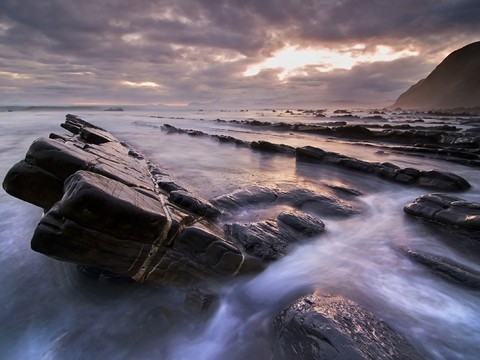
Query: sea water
[(48, 310)]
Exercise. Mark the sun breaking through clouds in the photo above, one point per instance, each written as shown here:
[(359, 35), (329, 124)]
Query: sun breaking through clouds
[(226, 51), (141, 84), (293, 59)]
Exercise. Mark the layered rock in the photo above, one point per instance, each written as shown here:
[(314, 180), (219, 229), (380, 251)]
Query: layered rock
[(433, 179), (448, 210), (332, 327), (107, 207), (445, 268), (271, 239)]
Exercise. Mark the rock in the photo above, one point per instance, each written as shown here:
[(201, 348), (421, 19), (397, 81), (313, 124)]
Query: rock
[(332, 327), (303, 223), (298, 198), (433, 179), (442, 180), (271, 147), (199, 301), (193, 203), (243, 198), (271, 239), (445, 268), (102, 223), (109, 209), (448, 210)]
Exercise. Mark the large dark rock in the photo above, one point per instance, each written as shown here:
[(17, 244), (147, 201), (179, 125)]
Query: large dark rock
[(102, 223), (319, 327), (108, 208), (448, 210)]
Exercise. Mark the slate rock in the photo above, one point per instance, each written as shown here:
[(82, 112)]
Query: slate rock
[(102, 223), (448, 210), (271, 239), (321, 327)]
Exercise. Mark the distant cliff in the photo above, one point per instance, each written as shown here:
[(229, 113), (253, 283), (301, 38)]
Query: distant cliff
[(455, 83)]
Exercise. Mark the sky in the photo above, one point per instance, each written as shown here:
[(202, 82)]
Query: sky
[(225, 52)]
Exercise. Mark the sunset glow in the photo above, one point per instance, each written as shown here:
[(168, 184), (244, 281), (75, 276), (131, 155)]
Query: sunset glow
[(141, 84), (292, 59)]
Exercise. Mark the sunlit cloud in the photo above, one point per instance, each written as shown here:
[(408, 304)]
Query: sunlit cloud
[(13, 75), (292, 59), (141, 84), (133, 38)]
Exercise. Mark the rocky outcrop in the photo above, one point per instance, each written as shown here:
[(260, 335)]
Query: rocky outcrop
[(332, 327), (454, 83), (433, 179), (448, 210), (109, 208)]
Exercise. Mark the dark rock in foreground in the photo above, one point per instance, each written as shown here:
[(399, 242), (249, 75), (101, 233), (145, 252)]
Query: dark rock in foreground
[(454, 212), (108, 208), (318, 327)]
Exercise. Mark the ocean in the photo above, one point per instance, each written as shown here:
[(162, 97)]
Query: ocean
[(49, 310)]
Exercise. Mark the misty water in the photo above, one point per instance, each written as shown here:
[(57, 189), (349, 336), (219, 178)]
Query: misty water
[(49, 310)]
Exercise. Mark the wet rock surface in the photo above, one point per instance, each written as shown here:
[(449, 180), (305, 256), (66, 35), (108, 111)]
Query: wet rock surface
[(120, 217), (445, 268), (271, 239), (432, 179), (456, 213), (331, 327), (111, 210), (108, 208)]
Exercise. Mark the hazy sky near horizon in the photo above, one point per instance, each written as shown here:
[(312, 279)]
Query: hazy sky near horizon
[(259, 52)]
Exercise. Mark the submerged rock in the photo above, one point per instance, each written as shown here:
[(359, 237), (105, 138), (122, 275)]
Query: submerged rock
[(332, 327), (446, 268)]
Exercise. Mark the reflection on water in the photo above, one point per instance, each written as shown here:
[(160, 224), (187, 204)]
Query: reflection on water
[(51, 311)]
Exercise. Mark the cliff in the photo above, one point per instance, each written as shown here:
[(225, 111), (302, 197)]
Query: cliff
[(454, 83)]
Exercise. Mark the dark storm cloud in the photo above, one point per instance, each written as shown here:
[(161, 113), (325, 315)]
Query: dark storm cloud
[(197, 50)]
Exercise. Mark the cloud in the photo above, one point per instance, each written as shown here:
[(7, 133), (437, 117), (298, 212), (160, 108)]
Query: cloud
[(198, 50)]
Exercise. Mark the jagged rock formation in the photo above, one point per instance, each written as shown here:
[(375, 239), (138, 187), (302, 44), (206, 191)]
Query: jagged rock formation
[(455, 83), (108, 208)]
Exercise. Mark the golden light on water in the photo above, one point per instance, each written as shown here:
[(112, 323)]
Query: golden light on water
[(292, 59)]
